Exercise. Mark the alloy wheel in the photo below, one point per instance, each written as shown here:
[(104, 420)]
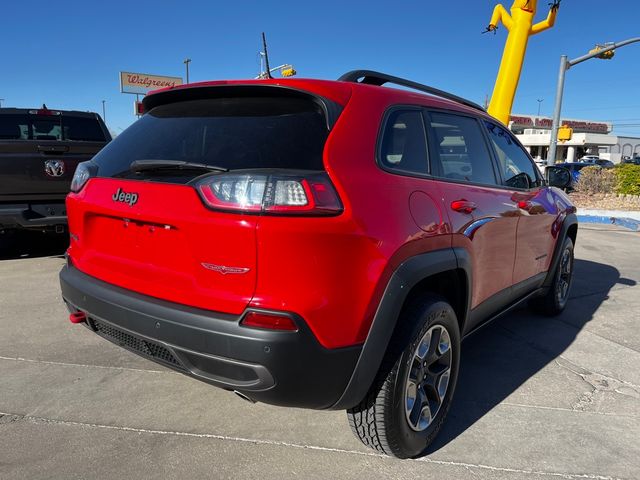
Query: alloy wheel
[(428, 378), (564, 276)]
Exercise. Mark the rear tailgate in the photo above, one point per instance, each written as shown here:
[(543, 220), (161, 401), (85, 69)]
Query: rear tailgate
[(150, 231), (166, 244), (34, 168), (40, 149)]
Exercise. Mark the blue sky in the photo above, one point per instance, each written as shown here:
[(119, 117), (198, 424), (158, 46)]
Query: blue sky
[(67, 54)]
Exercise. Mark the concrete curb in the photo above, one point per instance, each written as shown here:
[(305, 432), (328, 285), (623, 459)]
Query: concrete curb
[(611, 218)]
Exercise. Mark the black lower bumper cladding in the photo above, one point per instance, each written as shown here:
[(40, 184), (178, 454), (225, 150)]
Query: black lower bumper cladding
[(277, 367)]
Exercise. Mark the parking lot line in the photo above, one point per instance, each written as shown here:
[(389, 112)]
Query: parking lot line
[(66, 364), (255, 441)]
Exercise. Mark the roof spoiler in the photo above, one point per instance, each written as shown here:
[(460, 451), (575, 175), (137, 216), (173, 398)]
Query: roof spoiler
[(331, 109)]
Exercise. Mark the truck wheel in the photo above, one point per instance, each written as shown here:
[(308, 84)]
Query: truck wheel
[(407, 404), (555, 300)]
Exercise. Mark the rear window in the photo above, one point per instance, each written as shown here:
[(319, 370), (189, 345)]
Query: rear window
[(14, 127), (233, 133), (82, 129), (50, 127)]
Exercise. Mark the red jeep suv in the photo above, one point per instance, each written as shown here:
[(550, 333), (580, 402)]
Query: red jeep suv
[(316, 244)]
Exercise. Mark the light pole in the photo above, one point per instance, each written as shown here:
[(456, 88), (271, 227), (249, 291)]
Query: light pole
[(566, 64), (104, 112), (187, 61), (540, 100), (1, 100)]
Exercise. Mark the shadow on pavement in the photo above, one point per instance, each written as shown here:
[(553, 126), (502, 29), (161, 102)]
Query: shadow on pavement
[(18, 245), (501, 357)]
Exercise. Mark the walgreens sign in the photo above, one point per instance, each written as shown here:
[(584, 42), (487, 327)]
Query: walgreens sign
[(143, 83)]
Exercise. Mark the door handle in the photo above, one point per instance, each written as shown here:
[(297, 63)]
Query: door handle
[(463, 206), (525, 205), (53, 148)]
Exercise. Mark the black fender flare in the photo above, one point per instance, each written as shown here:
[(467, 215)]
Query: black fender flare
[(404, 278), (570, 220)]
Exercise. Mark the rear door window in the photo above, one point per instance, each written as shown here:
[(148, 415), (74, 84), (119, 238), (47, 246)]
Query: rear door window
[(461, 150), (232, 133), (404, 145)]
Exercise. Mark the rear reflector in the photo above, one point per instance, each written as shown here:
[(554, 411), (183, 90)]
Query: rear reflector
[(270, 321), (78, 317), (275, 193)]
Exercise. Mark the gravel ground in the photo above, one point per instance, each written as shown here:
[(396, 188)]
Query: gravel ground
[(601, 201)]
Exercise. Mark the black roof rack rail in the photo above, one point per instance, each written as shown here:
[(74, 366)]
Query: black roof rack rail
[(370, 77)]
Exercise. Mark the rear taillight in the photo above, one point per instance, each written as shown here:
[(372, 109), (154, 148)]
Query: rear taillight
[(271, 193), (84, 171)]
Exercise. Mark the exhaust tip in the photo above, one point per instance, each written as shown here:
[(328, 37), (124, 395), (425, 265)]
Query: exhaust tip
[(243, 396)]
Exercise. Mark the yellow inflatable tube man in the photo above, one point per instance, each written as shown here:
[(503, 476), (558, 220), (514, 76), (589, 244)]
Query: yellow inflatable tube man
[(520, 26)]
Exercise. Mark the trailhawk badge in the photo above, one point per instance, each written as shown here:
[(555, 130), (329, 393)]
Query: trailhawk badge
[(54, 168), (223, 269), (129, 198)]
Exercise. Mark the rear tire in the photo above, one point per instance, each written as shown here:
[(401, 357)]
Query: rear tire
[(407, 404), (555, 300)]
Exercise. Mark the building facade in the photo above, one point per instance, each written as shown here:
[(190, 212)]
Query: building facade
[(589, 138)]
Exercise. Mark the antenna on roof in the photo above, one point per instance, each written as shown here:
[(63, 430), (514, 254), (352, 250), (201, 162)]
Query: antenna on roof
[(266, 56)]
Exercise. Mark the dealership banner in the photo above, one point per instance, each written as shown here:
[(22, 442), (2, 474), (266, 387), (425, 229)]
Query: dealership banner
[(143, 83), (546, 123)]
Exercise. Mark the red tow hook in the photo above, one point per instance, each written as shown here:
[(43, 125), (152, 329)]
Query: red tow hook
[(78, 317)]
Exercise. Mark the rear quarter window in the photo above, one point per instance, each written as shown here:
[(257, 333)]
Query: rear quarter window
[(404, 147)]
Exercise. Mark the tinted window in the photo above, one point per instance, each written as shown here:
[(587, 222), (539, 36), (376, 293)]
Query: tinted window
[(50, 127), (46, 127), (461, 148), (404, 145), (233, 133), (517, 168), (82, 129), (14, 127)]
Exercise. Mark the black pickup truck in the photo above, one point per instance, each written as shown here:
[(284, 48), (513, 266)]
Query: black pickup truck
[(39, 152)]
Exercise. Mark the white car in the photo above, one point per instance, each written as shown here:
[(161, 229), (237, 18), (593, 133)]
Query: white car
[(589, 159)]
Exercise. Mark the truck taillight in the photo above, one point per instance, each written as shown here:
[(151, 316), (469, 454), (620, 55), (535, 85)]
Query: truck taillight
[(270, 193)]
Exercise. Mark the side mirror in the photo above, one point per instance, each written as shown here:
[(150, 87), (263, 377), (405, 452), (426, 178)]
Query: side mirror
[(558, 177)]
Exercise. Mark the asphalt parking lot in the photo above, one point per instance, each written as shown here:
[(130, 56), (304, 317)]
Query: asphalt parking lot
[(537, 398)]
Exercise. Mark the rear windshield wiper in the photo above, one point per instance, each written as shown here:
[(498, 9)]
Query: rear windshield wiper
[(146, 165)]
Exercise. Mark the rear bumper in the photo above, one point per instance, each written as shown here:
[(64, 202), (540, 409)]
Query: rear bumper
[(276, 367), (33, 216)]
